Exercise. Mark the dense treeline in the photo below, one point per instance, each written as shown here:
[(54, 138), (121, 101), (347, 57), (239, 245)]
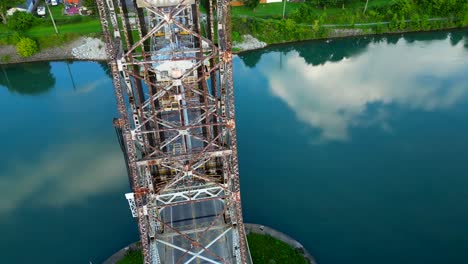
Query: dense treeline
[(455, 10), (307, 21)]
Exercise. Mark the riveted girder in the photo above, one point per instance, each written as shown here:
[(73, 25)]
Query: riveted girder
[(172, 73)]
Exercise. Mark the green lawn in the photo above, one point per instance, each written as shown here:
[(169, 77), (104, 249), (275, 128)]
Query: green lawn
[(57, 12), (266, 249), (132, 257), (65, 24), (83, 27), (69, 27)]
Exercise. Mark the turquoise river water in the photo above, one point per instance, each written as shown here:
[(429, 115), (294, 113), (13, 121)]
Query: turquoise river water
[(358, 148)]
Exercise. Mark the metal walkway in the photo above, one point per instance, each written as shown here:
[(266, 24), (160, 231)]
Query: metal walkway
[(172, 73)]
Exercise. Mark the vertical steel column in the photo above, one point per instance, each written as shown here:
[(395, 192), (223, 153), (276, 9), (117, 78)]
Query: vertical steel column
[(166, 102)]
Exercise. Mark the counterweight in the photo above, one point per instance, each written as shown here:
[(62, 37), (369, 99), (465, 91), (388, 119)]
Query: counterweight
[(172, 74)]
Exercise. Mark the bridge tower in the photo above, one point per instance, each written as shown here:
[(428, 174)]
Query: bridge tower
[(172, 73)]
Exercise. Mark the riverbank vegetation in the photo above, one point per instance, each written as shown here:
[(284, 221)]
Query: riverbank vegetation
[(310, 19), (320, 18), (132, 257), (267, 249), (22, 25)]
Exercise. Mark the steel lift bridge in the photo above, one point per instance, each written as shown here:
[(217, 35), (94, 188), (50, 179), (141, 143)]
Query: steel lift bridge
[(172, 73)]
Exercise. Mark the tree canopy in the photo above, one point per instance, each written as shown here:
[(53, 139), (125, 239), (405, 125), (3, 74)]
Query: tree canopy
[(251, 3), (5, 5)]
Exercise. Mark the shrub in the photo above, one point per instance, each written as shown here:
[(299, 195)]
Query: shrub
[(415, 22), (236, 36), (26, 47), (10, 39), (251, 3), (6, 58), (14, 38), (465, 20), (402, 25), (91, 5), (20, 21), (425, 22), (380, 29), (394, 23)]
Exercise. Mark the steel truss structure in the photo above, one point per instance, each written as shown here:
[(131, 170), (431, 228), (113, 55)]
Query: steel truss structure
[(176, 126)]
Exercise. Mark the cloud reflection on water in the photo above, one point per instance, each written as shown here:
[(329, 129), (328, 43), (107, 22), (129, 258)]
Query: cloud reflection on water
[(65, 174), (332, 96)]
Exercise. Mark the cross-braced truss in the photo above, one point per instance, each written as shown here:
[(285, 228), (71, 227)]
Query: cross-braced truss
[(175, 98)]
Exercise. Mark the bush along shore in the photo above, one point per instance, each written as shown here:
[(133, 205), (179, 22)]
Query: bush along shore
[(25, 38), (252, 31), (318, 19)]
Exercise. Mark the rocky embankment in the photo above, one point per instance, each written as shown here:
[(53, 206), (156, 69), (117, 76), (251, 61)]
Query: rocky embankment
[(90, 49), (84, 48), (249, 43)]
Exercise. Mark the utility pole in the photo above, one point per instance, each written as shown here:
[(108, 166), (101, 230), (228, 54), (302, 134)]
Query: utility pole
[(51, 17), (71, 76), (284, 7)]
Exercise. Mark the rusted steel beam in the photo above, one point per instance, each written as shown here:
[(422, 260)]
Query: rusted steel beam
[(151, 129)]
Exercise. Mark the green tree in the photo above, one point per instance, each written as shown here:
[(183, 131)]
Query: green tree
[(415, 21), (403, 7), (303, 13), (316, 26), (379, 29), (91, 5), (20, 21), (5, 5), (394, 23), (251, 3), (26, 47), (425, 22), (402, 25)]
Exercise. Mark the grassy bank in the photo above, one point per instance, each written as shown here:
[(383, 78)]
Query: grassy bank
[(263, 248), (266, 249), (273, 31), (314, 19), (311, 19), (132, 257), (43, 32)]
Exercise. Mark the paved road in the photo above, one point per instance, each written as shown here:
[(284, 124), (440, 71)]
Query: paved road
[(193, 219)]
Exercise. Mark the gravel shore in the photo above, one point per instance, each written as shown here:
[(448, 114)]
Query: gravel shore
[(249, 43), (84, 48)]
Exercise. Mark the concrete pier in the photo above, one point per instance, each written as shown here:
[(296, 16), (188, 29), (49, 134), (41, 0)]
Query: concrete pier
[(249, 228), (265, 230)]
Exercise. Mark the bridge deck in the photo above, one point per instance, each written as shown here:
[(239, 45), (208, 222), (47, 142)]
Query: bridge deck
[(175, 98)]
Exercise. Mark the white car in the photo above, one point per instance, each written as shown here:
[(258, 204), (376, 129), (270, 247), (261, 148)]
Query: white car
[(53, 2), (41, 11)]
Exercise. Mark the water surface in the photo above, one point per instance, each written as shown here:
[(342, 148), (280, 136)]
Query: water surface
[(358, 148), (62, 175)]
